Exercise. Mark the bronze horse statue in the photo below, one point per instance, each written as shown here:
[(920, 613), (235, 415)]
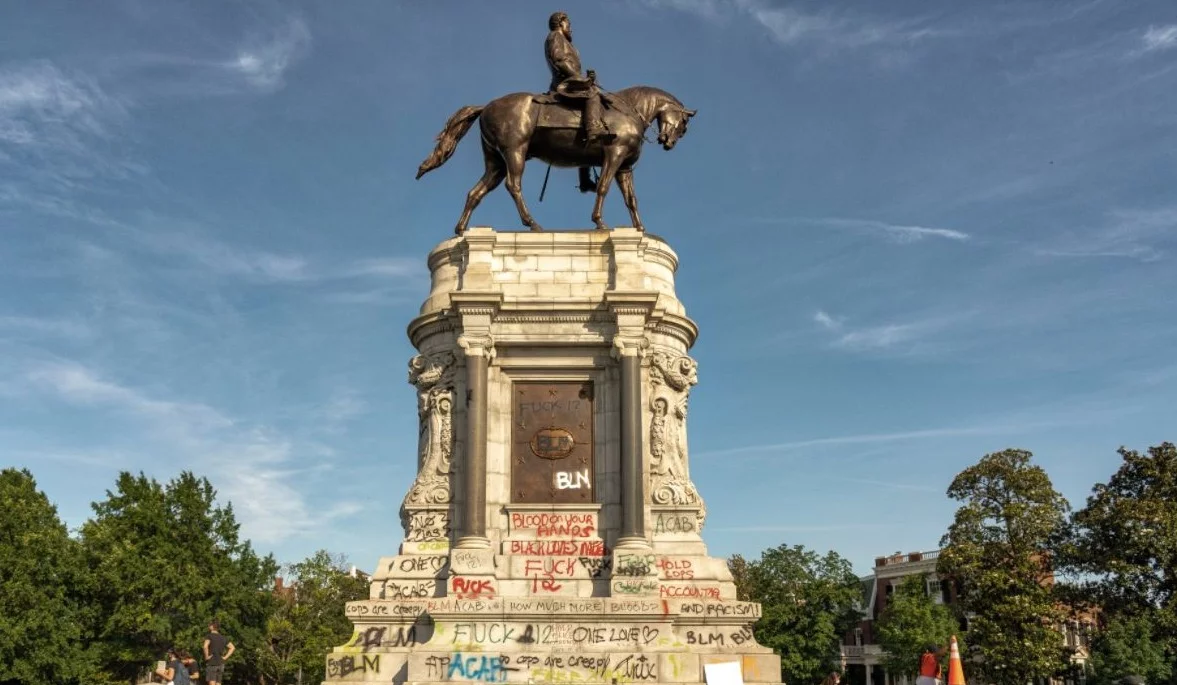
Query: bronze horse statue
[(519, 126)]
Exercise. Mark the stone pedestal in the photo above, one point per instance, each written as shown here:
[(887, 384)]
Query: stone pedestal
[(553, 530)]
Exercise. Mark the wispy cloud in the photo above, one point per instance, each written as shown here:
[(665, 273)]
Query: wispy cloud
[(1158, 38), (1129, 233), (196, 245), (879, 337), (78, 384), (264, 60), (255, 467), (826, 31), (43, 106), (873, 438), (899, 233), (827, 322)]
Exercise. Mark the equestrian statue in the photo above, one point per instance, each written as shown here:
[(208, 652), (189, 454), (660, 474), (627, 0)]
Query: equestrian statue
[(574, 124)]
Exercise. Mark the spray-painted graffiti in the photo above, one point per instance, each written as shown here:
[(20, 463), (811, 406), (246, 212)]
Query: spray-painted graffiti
[(428, 525), (596, 566), (551, 525), (467, 560), (374, 609), (679, 591), (634, 564), (483, 668), (558, 548), (408, 589), (720, 609), (674, 523), (553, 606), (343, 666), (675, 569), (378, 636), (609, 668), (573, 480), (720, 638), (634, 587), (477, 634), (471, 588), (419, 564)]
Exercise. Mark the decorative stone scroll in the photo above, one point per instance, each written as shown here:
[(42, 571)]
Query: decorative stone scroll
[(671, 378), (434, 377)]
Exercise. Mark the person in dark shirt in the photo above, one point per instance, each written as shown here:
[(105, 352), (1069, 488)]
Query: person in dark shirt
[(217, 650), (174, 671), (192, 666)]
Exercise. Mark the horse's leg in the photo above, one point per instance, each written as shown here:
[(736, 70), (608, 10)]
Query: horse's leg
[(609, 164), (491, 178), (516, 159), (625, 183)]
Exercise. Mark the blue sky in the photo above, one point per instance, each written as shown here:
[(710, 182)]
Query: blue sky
[(911, 233)]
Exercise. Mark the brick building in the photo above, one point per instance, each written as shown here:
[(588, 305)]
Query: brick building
[(862, 657)]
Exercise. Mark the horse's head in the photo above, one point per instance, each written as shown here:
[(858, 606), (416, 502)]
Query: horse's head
[(672, 124)]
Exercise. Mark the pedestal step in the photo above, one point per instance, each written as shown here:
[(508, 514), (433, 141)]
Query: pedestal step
[(521, 666)]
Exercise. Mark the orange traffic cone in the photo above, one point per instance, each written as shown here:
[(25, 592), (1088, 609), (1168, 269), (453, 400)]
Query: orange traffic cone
[(955, 671)]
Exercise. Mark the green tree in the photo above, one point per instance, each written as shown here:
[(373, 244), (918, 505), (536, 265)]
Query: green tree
[(309, 620), (1128, 645), (910, 622), (1125, 538), (42, 622), (738, 566), (807, 605), (998, 549), (166, 561)]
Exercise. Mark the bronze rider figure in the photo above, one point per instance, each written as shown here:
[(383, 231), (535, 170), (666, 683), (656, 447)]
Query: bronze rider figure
[(567, 83)]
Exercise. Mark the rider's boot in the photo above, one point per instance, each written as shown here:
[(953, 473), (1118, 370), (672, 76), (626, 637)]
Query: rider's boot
[(586, 181), (594, 121)]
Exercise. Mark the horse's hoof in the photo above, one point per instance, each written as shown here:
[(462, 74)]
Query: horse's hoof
[(459, 230), (640, 228), (535, 227), (602, 226)]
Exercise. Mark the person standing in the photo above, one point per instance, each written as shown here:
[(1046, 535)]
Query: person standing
[(930, 671), (174, 672), (217, 650)]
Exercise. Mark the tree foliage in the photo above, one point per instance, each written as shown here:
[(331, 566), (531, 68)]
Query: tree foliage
[(1126, 539), (738, 566), (309, 620), (166, 560), (999, 550), (1128, 645), (807, 604), (912, 621), (42, 617)]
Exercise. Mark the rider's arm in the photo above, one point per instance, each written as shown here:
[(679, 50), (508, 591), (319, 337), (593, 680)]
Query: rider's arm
[(561, 58)]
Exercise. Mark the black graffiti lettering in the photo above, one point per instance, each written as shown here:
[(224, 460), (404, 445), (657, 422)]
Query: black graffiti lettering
[(640, 668), (438, 666), (346, 665)]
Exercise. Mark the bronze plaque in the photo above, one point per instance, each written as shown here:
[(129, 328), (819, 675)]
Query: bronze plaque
[(552, 443)]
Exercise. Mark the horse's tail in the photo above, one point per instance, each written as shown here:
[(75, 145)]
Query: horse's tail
[(447, 140)]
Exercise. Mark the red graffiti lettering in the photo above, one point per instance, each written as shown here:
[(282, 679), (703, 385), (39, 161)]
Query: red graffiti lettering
[(469, 588)]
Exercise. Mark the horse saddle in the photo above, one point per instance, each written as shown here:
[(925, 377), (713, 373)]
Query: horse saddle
[(560, 110)]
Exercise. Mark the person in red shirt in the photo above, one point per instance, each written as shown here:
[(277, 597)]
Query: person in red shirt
[(930, 671)]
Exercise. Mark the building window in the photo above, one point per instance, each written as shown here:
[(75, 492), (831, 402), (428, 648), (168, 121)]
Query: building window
[(933, 587), (858, 637)]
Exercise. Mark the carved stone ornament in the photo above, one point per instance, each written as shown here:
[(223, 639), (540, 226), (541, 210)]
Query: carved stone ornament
[(434, 377), (671, 378)]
